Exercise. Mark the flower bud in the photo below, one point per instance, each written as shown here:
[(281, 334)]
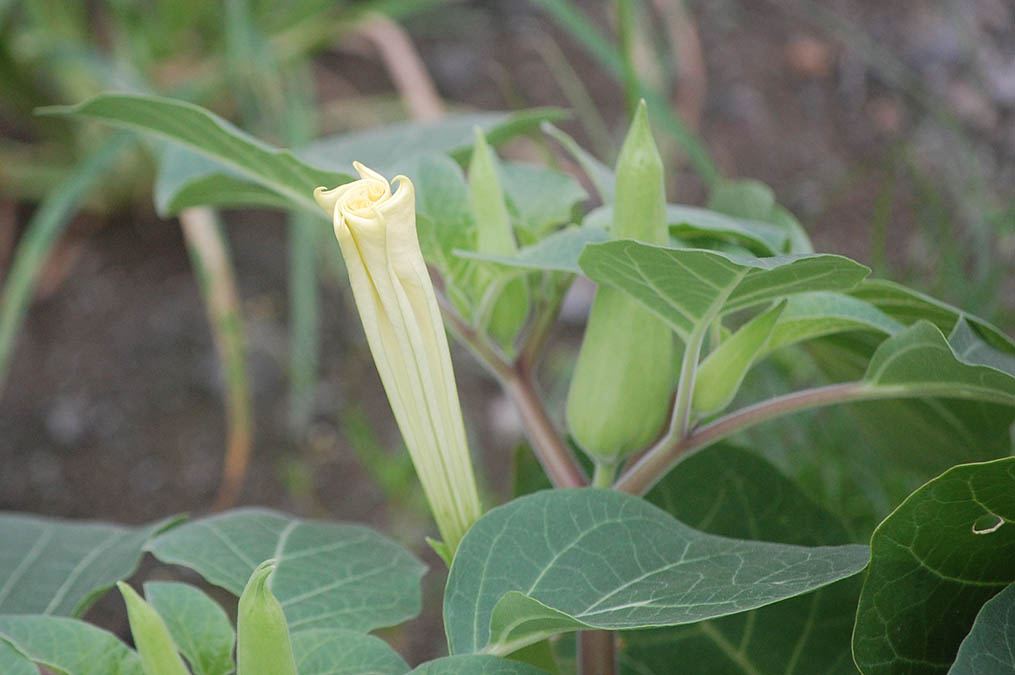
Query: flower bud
[(509, 306), (376, 229), (155, 646), (620, 391), (263, 646), (719, 376)]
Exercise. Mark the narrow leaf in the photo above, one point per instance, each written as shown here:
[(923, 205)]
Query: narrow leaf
[(208, 134)]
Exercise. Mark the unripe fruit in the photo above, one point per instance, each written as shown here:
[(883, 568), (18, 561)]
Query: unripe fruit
[(620, 391), (262, 635)]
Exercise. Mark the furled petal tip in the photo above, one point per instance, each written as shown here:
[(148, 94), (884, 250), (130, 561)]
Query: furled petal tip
[(376, 229)]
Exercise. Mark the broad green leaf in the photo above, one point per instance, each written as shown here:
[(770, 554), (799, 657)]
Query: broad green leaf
[(731, 492), (69, 645), (909, 306), (50, 566), (538, 197), (811, 315), (563, 559), (211, 136), (690, 287), (989, 649), (935, 561), (329, 575), (970, 347), (475, 664), (691, 223), (186, 179), (199, 626), (391, 148), (920, 362), (560, 251), (13, 662), (344, 652), (722, 372)]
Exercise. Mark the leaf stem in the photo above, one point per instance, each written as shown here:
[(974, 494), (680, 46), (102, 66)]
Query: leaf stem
[(658, 461)]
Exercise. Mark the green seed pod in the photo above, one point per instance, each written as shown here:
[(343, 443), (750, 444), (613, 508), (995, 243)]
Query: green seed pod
[(151, 637), (509, 301), (721, 373), (620, 392), (262, 635)]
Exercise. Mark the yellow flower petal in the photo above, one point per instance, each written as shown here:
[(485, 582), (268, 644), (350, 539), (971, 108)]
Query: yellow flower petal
[(376, 229)]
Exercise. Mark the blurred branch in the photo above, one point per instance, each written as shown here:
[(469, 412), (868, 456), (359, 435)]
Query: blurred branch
[(403, 63), (209, 253)]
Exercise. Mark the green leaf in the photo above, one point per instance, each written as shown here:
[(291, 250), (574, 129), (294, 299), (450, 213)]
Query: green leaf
[(970, 347), (329, 575), (598, 173), (199, 626), (935, 561), (211, 136), (562, 559), (539, 198), (753, 200), (69, 645), (909, 306), (345, 652), (691, 223), (728, 491), (989, 649), (919, 361), (811, 315), (560, 251), (13, 662), (390, 149), (475, 664), (50, 566), (186, 179), (691, 287)]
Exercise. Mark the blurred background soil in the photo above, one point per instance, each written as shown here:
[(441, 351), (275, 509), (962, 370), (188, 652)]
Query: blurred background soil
[(888, 128)]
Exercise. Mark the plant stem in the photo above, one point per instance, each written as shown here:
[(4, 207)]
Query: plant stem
[(519, 385), (556, 459), (597, 652), (658, 461)]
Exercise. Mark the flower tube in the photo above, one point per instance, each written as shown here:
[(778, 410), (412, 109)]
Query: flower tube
[(376, 229)]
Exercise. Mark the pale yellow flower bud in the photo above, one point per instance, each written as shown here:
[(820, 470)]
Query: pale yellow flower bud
[(376, 229)]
